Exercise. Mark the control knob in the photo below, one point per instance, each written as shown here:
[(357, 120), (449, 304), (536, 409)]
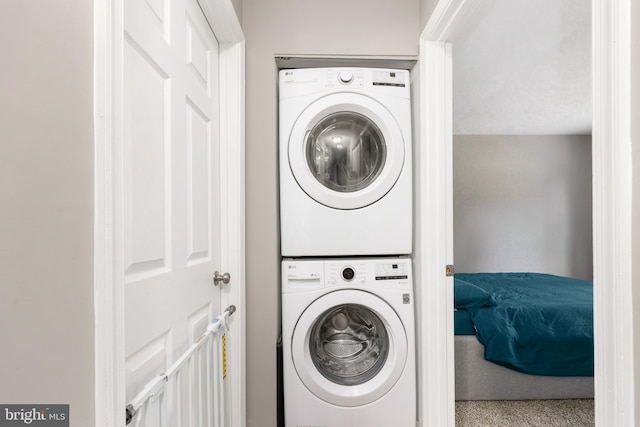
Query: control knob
[(348, 273), (345, 77)]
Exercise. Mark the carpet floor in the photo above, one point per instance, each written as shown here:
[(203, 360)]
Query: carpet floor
[(516, 413)]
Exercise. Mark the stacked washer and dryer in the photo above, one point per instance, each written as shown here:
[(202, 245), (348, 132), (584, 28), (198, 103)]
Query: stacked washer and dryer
[(346, 236)]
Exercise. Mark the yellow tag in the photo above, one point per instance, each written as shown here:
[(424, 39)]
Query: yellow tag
[(224, 356)]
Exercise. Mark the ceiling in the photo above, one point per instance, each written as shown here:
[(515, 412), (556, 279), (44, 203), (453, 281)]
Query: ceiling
[(523, 67)]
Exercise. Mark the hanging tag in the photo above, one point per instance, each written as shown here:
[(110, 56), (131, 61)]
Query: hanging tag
[(224, 356)]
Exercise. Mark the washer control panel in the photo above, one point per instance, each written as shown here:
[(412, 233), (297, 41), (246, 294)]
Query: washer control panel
[(313, 274), (392, 271), (367, 272)]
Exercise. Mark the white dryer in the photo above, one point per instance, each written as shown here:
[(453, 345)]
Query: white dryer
[(348, 343), (345, 162)]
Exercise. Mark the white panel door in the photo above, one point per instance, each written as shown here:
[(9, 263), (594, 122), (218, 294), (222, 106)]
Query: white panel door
[(170, 184)]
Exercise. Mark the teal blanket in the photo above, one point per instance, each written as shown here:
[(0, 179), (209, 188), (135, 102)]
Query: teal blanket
[(541, 324)]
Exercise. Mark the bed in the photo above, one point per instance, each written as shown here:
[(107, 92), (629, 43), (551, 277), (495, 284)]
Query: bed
[(523, 336)]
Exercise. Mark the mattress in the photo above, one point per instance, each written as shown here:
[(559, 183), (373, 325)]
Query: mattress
[(533, 323), (478, 379)]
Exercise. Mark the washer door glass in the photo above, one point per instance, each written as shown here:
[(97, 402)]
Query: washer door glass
[(349, 347), (349, 344), (345, 151)]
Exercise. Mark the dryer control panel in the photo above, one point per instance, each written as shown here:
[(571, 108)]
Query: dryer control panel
[(304, 81)]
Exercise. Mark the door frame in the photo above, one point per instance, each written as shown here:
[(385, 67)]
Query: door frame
[(108, 284), (612, 212)]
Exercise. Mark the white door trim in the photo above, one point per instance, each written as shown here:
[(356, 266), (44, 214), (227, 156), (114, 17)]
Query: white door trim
[(232, 184), (433, 246), (108, 286), (612, 185), (434, 249), (612, 190)]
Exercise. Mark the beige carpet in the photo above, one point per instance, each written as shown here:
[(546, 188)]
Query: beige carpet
[(543, 413)]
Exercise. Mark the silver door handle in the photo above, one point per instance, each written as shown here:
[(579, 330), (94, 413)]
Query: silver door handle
[(224, 278)]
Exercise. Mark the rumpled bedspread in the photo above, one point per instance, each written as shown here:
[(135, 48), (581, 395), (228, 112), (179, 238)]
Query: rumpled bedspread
[(542, 324)]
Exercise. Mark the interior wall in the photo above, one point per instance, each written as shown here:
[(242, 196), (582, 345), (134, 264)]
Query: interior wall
[(523, 203), (46, 219), (237, 6), (279, 27)]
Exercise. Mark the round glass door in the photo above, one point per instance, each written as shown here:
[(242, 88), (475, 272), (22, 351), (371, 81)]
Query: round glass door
[(349, 347), (346, 151), (349, 344)]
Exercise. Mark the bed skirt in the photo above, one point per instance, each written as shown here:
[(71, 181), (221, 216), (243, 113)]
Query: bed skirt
[(478, 379)]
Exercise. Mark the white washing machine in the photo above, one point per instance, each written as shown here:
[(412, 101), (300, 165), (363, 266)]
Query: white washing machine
[(345, 162), (348, 343)]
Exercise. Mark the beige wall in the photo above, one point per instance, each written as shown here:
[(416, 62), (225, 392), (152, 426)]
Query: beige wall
[(46, 197), (359, 27)]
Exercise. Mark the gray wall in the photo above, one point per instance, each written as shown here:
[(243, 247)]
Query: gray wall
[(46, 193), (237, 6), (359, 27), (523, 203)]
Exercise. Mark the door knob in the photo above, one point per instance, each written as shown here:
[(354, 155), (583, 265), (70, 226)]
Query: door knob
[(224, 278)]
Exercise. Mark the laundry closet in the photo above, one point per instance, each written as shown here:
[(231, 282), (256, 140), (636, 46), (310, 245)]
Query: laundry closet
[(346, 206)]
